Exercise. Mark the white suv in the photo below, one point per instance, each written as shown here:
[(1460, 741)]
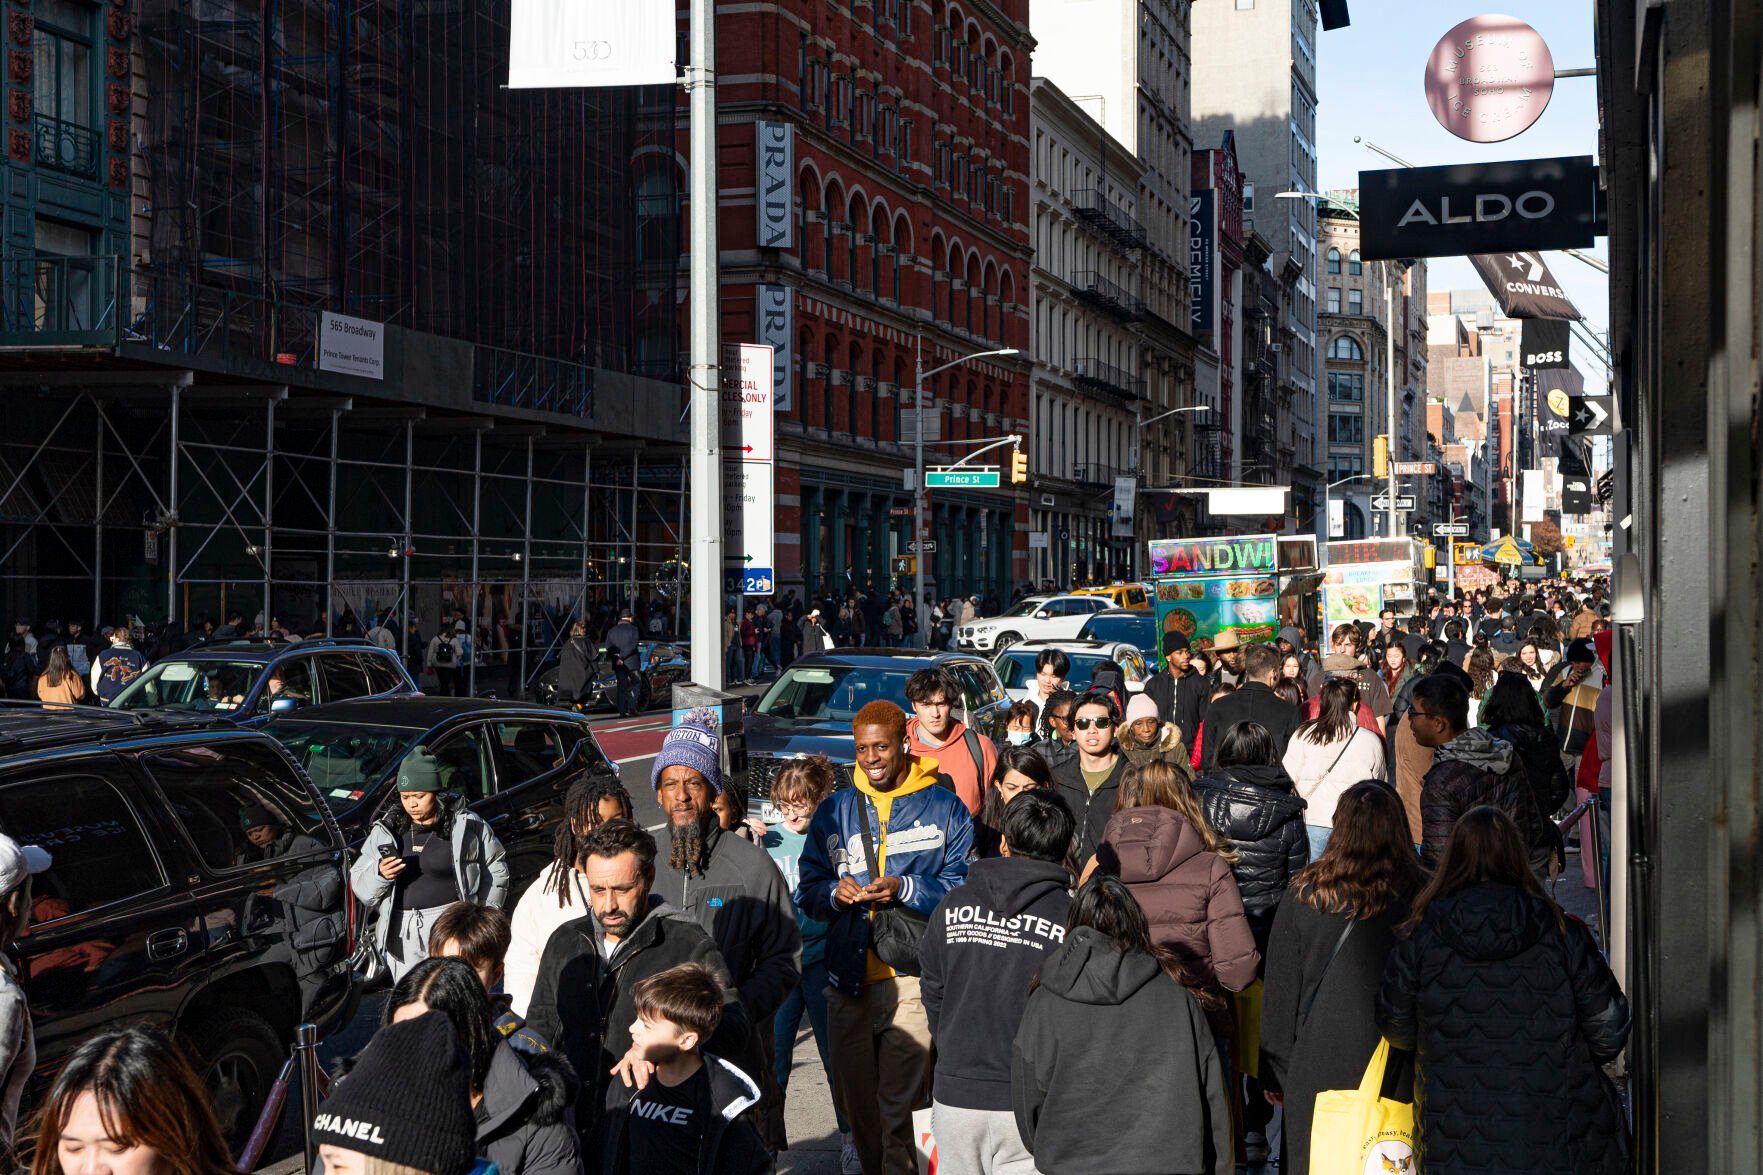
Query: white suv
[(1036, 618)]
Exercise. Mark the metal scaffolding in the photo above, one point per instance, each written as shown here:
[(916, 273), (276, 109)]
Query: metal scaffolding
[(151, 496)]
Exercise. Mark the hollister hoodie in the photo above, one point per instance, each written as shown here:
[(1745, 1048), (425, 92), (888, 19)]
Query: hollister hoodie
[(982, 949)]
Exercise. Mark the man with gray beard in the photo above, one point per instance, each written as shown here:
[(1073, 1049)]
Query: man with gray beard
[(728, 885)]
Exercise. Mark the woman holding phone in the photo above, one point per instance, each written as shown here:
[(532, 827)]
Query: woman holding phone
[(422, 856)]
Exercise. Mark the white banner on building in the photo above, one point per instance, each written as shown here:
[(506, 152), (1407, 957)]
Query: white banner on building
[(351, 346), (1260, 500), (776, 315), (1126, 493), (574, 43), (1337, 518), (774, 165), (1534, 496)]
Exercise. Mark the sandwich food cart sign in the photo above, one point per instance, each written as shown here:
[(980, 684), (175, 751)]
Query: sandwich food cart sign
[(1207, 587)]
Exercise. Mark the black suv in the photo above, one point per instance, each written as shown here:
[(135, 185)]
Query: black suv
[(161, 906), (246, 681)]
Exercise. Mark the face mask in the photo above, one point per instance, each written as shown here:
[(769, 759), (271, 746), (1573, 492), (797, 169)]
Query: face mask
[(1020, 738)]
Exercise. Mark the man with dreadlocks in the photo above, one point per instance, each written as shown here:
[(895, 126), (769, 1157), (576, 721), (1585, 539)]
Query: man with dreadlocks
[(726, 884), (558, 895)]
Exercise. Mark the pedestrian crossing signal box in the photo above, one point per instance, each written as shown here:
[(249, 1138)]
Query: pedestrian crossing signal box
[(906, 565)]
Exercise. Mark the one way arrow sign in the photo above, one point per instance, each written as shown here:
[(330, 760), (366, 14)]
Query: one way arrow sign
[(1588, 418)]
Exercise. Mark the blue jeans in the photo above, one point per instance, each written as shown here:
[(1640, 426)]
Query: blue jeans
[(1319, 835), (809, 996)]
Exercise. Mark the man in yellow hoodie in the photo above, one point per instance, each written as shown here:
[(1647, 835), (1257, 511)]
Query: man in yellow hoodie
[(895, 842)]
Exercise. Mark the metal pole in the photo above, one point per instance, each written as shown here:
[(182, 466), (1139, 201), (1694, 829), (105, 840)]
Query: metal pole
[(587, 509), (526, 567), (1451, 561), (269, 501), (171, 522), (477, 497), (98, 525), (1389, 379), (919, 608), (404, 554), (330, 530), (705, 382), (306, 1049)]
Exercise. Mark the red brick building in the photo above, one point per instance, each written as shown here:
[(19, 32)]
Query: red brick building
[(883, 202)]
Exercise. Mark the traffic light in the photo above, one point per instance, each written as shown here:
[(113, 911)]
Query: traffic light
[(1018, 467), (1380, 456)]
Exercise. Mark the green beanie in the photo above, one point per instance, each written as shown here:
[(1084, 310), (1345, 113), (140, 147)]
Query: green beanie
[(420, 771)]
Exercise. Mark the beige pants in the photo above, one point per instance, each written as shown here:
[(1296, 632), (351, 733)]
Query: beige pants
[(879, 1045)]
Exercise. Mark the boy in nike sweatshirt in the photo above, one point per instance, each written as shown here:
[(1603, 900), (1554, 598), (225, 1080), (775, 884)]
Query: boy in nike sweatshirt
[(985, 944)]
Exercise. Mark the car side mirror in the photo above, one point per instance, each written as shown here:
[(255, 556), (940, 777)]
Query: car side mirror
[(283, 706), (750, 703)]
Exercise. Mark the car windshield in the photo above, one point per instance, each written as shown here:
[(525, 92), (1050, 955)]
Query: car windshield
[(1131, 630), (1027, 608), (1016, 668), (190, 685), (344, 759), (815, 693)]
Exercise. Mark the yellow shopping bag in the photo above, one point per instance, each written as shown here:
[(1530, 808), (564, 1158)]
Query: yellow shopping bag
[(1361, 1132)]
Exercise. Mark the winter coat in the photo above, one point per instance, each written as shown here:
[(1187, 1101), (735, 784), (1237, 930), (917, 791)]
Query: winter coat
[(1322, 771), (925, 842), (1167, 747), (575, 670), (480, 864), (1511, 1018), (1540, 757), (1179, 700), (1330, 1046), (582, 1001), (1473, 769), (1259, 812), (730, 1143), (1092, 809), (985, 944), (526, 1124), (1115, 1069), (1255, 702), (537, 915), (1188, 894), (742, 902), (1413, 761)]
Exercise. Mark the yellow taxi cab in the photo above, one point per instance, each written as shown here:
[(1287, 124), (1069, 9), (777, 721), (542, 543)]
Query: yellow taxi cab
[(1124, 595)]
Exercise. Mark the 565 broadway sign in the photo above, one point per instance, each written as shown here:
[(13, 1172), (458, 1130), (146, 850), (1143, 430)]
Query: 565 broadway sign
[(1478, 208)]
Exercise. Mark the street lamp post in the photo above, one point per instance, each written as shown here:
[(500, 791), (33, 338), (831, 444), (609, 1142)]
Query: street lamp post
[(1138, 452), (921, 609), (1328, 502)]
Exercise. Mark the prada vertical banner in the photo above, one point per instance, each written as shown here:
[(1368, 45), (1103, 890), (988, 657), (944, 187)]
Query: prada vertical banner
[(1544, 342), (774, 189), (1469, 208), (776, 318)]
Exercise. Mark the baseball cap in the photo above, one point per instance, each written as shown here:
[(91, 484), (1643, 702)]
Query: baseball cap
[(18, 862)]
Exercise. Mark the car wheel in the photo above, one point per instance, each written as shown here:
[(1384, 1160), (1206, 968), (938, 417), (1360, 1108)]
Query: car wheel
[(1004, 641), (238, 1057)]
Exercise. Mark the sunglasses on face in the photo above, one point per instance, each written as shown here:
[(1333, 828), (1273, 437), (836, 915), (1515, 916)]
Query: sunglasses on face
[(1096, 723)]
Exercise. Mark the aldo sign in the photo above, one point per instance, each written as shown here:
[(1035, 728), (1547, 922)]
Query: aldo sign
[(1478, 208)]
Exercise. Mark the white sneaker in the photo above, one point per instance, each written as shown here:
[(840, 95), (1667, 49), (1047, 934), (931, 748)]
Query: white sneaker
[(849, 1163)]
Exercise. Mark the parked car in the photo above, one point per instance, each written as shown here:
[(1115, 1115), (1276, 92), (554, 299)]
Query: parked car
[(233, 678), (808, 709), (664, 665), (1016, 665), (1138, 629), (1131, 596), (1035, 618), (512, 761), (160, 906)]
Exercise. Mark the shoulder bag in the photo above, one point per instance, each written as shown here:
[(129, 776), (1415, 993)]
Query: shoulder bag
[(1310, 1000), (895, 932)]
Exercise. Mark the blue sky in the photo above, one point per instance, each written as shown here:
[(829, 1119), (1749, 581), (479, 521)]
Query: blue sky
[(1369, 81)]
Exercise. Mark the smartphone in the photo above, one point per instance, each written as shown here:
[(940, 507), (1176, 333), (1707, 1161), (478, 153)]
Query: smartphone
[(388, 851)]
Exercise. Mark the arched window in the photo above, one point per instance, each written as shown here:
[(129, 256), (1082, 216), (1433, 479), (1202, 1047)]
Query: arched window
[(1354, 266), (1334, 260), (1346, 347)]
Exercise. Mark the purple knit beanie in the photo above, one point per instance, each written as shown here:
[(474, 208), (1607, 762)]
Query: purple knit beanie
[(696, 743)]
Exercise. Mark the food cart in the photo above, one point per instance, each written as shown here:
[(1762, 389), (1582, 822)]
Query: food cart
[(1365, 576), (1208, 586)]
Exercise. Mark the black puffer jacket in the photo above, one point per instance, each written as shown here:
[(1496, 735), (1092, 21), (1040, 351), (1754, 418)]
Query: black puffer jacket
[(1257, 809), (1537, 749), (1511, 1019), (1473, 769)]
